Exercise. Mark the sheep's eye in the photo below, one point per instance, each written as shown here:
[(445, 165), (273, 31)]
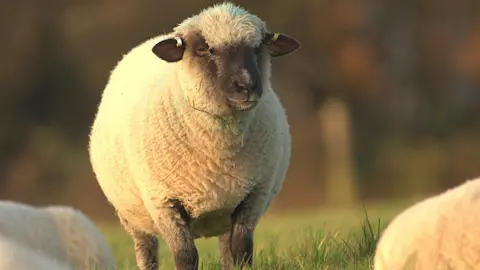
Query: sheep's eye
[(204, 50)]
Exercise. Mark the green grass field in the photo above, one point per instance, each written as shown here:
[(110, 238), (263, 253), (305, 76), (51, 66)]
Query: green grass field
[(328, 239)]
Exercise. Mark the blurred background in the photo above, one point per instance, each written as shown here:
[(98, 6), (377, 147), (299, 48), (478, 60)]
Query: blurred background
[(383, 97)]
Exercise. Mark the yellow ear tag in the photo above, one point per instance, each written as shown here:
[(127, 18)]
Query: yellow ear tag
[(275, 37)]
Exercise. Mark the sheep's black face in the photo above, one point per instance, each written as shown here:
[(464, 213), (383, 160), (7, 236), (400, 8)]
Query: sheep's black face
[(239, 74), (232, 72)]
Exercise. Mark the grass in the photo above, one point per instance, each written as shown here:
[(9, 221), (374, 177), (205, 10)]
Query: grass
[(329, 239)]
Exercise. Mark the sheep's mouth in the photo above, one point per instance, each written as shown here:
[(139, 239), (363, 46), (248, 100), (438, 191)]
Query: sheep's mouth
[(243, 104)]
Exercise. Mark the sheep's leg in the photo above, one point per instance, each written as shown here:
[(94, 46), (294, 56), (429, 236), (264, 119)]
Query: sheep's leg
[(225, 254), (236, 245), (146, 247), (175, 230), (236, 249), (242, 245), (182, 245), (146, 251)]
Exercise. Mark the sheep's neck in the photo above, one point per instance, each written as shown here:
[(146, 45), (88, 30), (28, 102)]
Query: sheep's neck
[(233, 123), (226, 131), (206, 132)]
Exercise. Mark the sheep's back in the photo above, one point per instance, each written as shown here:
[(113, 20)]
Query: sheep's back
[(58, 232), (457, 234), (441, 231), (400, 241), (32, 228), (19, 257), (84, 242)]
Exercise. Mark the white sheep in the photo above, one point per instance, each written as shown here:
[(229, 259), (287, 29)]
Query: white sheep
[(59, 232), (190, 140), (440, 232), (14, 256)]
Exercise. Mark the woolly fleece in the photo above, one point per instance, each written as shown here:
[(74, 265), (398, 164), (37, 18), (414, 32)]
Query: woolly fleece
[(59, 232), (440, 232), (149, 145), (14, 256)]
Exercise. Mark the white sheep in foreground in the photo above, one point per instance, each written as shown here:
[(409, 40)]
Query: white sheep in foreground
[(440, 232), (61, 233), (14, 256), (190, 140)]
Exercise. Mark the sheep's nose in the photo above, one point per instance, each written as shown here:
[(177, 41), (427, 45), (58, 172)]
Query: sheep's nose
[(240, 86), (244, 86)]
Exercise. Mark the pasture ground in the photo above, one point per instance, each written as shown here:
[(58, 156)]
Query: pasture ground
[(325, 239)]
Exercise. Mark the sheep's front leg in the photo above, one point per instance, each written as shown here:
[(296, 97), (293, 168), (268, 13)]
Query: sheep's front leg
[(173, 224), (236, 245), (226, 257), (181, 243), (236, 248), (242, 245), (146, 247)]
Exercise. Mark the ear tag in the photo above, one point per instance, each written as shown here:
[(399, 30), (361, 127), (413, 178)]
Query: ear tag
[(179, 41), (274, 38)]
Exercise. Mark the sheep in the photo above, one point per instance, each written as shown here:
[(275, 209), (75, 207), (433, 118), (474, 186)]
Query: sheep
[(19, 257), (59, 232), (190, 140), (440, 232)]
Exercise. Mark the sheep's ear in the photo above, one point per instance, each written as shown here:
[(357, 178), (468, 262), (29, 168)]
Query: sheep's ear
[(280, 44), (170, 49)]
